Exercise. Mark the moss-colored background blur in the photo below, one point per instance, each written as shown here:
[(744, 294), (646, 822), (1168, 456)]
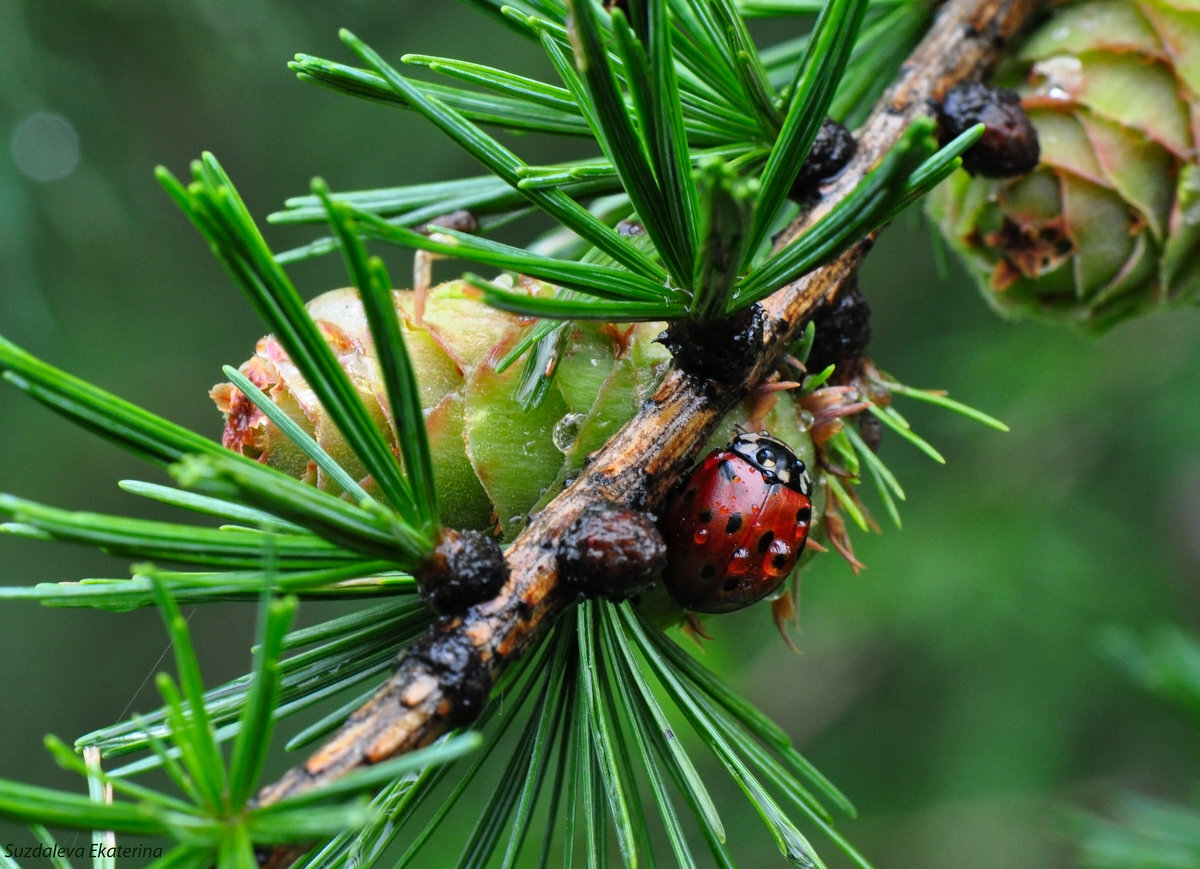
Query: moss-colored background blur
[(953, 689)]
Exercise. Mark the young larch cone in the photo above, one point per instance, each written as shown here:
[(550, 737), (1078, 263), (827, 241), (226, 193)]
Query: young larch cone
[(495, 461), (1108, 225)]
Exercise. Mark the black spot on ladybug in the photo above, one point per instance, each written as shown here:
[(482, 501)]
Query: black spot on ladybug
[(779, 560), (705, 516), (804, 514), (708, 571), (718, 351), (730, 585), (1009, 146), (830, 152), (734, 523), (612, 551), (765, 541), (467, 567)]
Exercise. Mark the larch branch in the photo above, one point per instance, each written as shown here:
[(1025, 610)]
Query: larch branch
[(444, 678)]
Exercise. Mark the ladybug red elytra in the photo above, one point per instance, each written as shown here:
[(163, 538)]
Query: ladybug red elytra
[(736, 528)]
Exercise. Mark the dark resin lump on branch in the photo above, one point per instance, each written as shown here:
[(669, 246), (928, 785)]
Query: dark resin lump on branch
[(1009, 146), (611, 551), (831, 151), (720, 350), (467, 568), (842, 333)]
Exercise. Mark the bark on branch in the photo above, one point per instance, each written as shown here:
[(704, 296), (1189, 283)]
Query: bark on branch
[(444, 678)]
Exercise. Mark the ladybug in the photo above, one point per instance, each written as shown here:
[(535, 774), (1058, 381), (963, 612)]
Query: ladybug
[(736, 528)]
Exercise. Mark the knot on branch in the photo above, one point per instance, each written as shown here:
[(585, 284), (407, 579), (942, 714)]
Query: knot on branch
[(842, 331), (830, 152), (1009, 146), (467, 567), (718, 351), (611, 550), (453, 659)]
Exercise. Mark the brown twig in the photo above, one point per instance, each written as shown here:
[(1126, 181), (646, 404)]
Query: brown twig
[(445, 677)]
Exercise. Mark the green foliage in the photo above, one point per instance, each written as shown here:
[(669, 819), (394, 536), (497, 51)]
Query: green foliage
[(594, 722), (213, 821), (1150, 833), (651, 92)]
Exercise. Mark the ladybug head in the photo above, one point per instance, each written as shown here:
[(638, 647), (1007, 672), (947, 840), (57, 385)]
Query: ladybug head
[(774, 460)]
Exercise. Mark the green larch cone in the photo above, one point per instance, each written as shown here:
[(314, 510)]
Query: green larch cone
[(1108, 226), (494, 460)]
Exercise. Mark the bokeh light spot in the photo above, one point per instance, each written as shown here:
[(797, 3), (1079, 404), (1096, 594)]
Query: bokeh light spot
[(45, 147)]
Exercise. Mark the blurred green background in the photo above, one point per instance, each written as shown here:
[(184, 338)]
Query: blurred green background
[(953, 689)]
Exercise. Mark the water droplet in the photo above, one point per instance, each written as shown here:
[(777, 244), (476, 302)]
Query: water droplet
[(1061, 78), (700, 537), (777, 560), (566, 430), (804, 419), (740, 563)]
